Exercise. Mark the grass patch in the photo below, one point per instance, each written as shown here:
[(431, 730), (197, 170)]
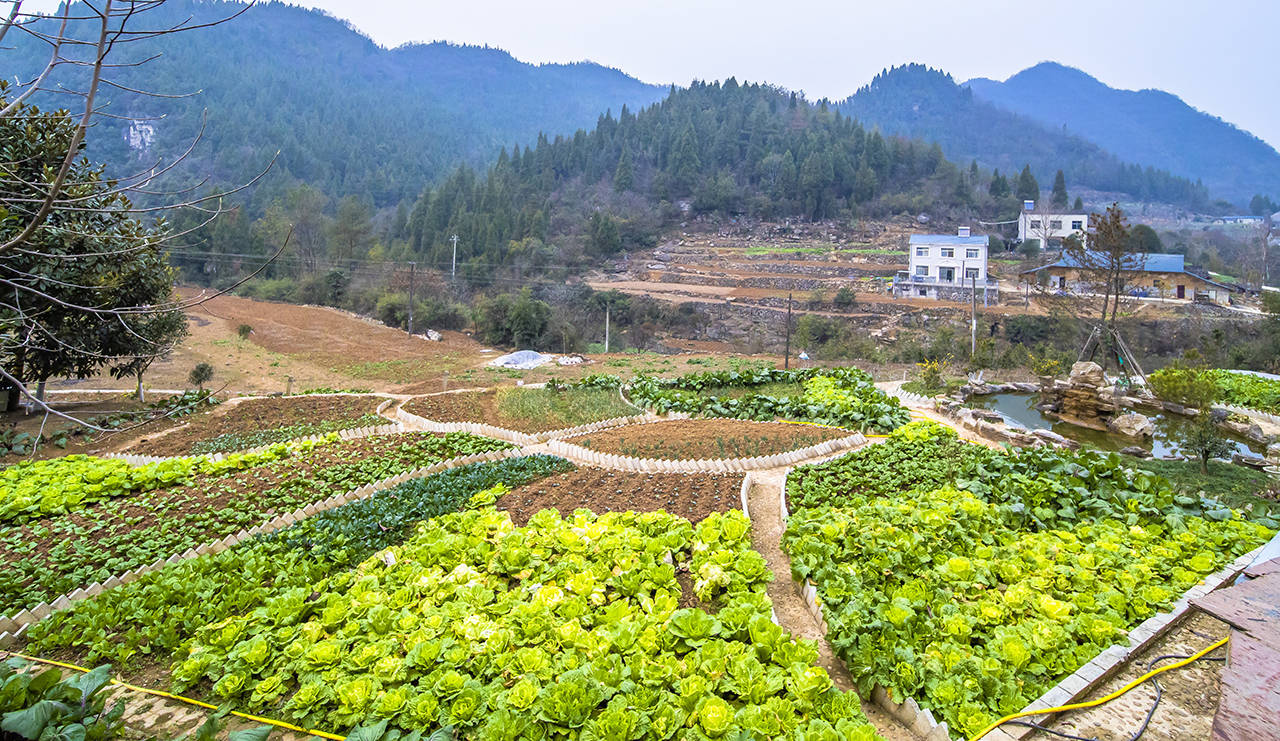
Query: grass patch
[(1239, 486), (916, 386), (559, 409), (773, 250)]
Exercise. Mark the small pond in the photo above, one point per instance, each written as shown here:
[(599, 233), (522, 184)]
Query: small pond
[(1021, 409)]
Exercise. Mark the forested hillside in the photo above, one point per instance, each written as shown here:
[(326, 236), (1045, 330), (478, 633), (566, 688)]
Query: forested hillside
[(730, 149), (349, 117), (916, 101), (1149, 126)]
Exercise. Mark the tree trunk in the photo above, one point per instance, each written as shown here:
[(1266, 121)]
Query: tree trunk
[(1204, 465), (140, 393), (13, 400)]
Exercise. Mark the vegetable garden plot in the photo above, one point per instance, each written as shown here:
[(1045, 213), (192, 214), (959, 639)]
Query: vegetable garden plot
[(841, 397), (527, 410), (703, 439), (47, 557), (159, 611), (692, 496), (975, 602), (257, 422), (561, 629)]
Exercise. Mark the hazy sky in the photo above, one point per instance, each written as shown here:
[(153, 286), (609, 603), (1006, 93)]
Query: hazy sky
[(1217, 56)]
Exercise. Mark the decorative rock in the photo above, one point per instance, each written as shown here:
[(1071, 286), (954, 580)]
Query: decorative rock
[(1086, 373), (1132, 424), (1137, 451)]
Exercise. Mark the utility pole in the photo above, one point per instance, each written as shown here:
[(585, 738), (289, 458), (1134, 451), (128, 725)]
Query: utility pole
[(412, 268), (453, 272), (973, 319), (606, 327), (786, 360)]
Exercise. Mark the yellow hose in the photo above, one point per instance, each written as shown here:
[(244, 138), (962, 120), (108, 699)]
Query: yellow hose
[(1100, 700), (188, 700)]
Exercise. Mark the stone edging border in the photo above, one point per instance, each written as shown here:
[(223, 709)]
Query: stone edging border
[(715, 465), (11, 628), (525, 438), (347, 434), (1105, 665)]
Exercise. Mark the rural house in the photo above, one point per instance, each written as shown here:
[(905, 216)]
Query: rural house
[(946, 266), (1150, 275), (1049, 229)]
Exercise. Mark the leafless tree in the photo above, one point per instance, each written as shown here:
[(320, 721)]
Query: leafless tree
[(87, 44)]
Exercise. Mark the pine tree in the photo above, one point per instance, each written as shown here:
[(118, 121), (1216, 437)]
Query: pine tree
[(999, 187), (1059, 198), (1028, 188), (623, 179), (1078, 206)]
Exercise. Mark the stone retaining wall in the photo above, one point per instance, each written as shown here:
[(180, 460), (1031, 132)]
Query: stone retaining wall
[(12, 627), (475, 428)]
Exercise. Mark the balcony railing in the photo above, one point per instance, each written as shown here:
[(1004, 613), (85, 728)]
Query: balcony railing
[(933, 280)]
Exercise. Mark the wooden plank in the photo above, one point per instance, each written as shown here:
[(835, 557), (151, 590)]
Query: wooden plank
[(1250, 704), (1263, 569)]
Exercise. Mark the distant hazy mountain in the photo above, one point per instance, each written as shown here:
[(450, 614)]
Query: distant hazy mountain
[(347, 115), (1147, 126), (919, 102)]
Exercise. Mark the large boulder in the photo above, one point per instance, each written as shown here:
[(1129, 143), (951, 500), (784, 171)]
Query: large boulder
[(1086, 373), (1136, 451), (1132, 424)]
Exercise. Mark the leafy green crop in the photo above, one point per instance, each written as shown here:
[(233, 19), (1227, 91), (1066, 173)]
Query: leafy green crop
[(42, 705), (1240, 389), (947, 598), (33, 489), (919, 455), (159, 611), (561, 629), (50, 557), (257, 438), (841, 397)]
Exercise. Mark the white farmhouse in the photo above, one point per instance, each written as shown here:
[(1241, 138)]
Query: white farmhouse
[(1050, 228), (946, 266)]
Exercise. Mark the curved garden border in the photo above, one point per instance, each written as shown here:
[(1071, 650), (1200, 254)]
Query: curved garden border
[(1072, 687), (412, 420), (14, 626), (712, 465), (348, 434)]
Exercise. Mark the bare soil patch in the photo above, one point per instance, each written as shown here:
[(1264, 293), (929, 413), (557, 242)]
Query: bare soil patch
[(700, 439), (523, 410), (255, 415), (692, 496)]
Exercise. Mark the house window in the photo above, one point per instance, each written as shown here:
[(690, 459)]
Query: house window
[(1077, 225), (922, 252), (948, 252), (971, 253), (970, 273), (922, 270), (922, 292), (1055, 224), (1035, 223)]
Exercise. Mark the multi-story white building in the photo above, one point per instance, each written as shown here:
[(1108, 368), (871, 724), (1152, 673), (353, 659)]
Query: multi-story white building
[(946, 266), (1050, 228)]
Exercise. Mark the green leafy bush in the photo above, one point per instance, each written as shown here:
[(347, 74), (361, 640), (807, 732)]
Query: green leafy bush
[(161, 610), (1239, 389), (841, 397), (561, 629), (944, 597), (38, 705)]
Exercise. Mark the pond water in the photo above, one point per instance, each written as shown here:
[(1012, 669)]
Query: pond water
[(1021, 409)]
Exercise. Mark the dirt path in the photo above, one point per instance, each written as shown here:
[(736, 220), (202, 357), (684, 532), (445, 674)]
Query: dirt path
[(766, 537)]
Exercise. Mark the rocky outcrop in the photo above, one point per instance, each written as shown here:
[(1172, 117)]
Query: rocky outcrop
[(1132, 424)]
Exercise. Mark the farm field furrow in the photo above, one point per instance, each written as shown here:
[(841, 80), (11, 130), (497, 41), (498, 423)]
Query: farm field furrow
[(707, 439), (692, 496), (529, 410), (257, 422), (54, 554)]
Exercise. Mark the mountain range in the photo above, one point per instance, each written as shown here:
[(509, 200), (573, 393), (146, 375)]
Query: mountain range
[(352, 118)]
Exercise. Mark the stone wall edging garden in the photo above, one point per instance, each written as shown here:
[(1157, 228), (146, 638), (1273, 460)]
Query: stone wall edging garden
[(712, 465), (605, 424), (348, 434), (908, 397), (1251, 412), (475, 428), (13, 627), (1105, 665)]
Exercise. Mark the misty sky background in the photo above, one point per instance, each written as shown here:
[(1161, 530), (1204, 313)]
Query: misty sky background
[(1218, 57)]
